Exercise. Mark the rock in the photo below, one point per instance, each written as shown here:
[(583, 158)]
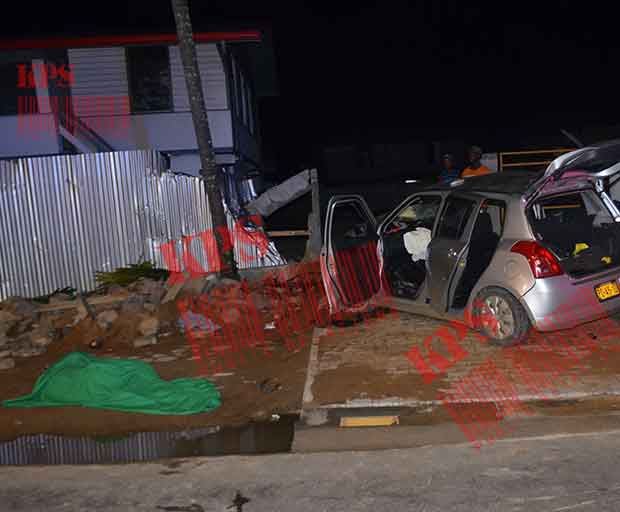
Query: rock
[(115, 289), (27, 351), (80, 315), (7, 363), (40, 338), (260, 301), (23, 326), (8, 317), (20, 307), (151, 308), (157, 291), (4, 354), (199, 285), (149, 287), (148, 326), (106, 318), (270, 385), (133, 305), (144, 341)]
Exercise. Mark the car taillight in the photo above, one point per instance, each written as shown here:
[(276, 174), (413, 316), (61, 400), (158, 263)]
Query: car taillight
[(542, 262)]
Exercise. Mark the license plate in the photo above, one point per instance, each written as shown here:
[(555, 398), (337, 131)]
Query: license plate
[(607, 290)]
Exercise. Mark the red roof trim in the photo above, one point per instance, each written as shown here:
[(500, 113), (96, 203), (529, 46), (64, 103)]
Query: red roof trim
[(163, 39)]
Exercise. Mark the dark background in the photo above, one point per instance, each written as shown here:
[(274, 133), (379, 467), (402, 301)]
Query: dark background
[(504, 75)]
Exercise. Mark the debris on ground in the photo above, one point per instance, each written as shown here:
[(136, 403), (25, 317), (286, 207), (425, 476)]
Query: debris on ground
[(133, 321), (270, 385)]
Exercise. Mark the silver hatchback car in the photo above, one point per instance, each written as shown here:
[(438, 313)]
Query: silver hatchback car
[(502, 252)]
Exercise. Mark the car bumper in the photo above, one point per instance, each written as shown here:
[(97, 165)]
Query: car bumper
[(562, 302)]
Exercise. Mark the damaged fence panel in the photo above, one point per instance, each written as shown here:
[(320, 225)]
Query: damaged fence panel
[(65, 217)]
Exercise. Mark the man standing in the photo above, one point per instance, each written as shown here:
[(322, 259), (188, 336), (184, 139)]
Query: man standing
[(449, 172), (475, 168)]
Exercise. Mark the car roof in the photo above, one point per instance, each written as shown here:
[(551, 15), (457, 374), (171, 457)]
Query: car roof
[(506, 182)]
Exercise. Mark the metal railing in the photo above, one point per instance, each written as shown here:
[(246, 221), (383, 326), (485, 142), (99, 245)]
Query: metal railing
[(529, 159)]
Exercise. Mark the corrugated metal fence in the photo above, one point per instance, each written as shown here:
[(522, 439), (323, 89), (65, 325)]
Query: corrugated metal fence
[(62, 218)]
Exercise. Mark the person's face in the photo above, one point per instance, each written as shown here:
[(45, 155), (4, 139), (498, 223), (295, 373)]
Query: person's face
[(448, 163), (474, 156)]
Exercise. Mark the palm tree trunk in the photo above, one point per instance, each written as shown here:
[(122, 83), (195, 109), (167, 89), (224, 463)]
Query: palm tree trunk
[(208, 170)]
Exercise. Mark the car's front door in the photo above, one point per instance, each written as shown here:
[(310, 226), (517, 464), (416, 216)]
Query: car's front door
[(448, 248), (349, 259)]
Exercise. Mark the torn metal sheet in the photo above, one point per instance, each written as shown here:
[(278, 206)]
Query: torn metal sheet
[(280, 195)]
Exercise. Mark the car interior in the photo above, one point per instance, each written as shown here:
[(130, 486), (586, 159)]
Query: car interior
[(579, 230), (485, 237), (405, 274)]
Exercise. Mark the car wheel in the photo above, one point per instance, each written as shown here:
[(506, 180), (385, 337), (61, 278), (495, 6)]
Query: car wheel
[(500, 317)]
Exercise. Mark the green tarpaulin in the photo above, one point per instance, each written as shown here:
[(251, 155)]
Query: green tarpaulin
[(119, 384)]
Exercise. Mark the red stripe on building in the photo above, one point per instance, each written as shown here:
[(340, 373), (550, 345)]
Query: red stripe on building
[(127, 40)]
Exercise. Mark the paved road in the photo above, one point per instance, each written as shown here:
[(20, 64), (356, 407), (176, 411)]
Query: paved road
[(558, 472)]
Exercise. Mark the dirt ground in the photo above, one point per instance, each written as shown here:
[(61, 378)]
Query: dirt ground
[(253, 384)]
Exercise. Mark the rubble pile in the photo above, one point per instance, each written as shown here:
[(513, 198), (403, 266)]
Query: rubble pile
[(28, 328), (138, 316)]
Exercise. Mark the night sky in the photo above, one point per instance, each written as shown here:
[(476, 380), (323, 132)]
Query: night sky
[(397, 71)]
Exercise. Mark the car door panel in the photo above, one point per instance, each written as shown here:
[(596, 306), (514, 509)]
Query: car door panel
[(448, 250), (349, 258)]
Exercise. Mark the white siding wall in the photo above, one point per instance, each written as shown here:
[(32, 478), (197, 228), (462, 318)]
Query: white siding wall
[(212, 75), (99, 72)]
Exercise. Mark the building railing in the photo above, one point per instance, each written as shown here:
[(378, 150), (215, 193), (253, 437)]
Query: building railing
[(533, 159)]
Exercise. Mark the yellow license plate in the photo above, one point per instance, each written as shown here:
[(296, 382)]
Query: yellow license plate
[(607, 290)]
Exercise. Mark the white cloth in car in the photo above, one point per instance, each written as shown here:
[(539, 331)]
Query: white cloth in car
[(416, 242)]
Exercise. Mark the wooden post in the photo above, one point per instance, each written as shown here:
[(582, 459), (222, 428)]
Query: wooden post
[(313, 249)]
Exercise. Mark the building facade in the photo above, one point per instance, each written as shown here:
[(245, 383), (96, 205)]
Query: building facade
[(117, 93)]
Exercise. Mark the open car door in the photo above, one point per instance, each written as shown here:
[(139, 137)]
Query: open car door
[(447, 251), (349, 257)]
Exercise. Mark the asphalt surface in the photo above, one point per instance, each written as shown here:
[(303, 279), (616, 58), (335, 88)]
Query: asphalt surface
[(555, 471)]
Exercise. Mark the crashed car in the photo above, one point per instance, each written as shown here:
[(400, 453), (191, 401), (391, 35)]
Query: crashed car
[(503, 252)]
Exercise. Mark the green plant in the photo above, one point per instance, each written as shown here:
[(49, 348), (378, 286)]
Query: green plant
[(124, 276)]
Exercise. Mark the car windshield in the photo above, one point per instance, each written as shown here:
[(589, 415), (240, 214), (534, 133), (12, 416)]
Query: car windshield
[(579, 229)]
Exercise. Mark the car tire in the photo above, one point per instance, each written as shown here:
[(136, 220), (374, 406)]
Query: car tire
[(492, 310)]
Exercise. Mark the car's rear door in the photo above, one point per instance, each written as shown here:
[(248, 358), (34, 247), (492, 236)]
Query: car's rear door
[(447, 251), (349, 258)]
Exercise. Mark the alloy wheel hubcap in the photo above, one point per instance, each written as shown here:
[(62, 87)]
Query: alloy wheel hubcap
[(497, 317)]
